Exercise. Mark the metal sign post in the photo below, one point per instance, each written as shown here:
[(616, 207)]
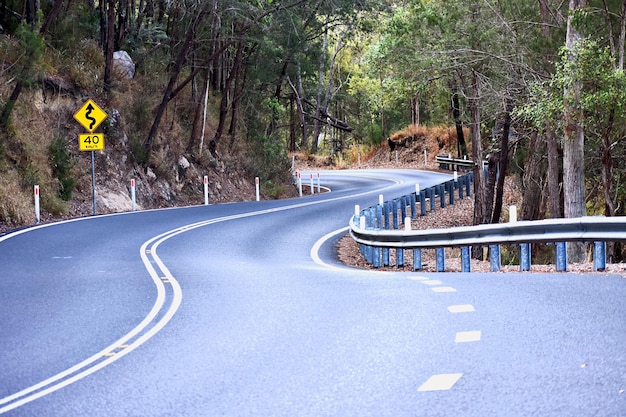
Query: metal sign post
[(93, 181)]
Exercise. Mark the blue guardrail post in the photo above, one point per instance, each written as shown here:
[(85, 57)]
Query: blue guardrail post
[(442, 194), (561, 256), (394, 208), (524, 256), (386, 212), (599, 256), (441, 259), (451, 185), (465, 259), (423, 202), (432, 198), (494, 257), (417, 259), (399, 257)]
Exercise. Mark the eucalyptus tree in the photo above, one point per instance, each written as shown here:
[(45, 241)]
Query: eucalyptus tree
[(30, 27), (243, 18), (470, 49)]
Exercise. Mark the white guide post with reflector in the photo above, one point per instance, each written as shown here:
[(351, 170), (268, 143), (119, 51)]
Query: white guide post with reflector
[(37, 211), (319, 185), (132, 194), (299, 184), (206, 190), (256, 185), (311, 178)]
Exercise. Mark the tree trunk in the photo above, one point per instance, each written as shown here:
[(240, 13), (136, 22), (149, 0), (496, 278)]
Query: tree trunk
[(227, 94), (317, 124), (8, 106), (168, 93), (199, 119), (238, 92), (300, 110), (109, 48), (554, 175), (477, 156), (622, 37), (51, 16), (503, 161), (533, 179), (456, 114), (574, 138), (493, 162)]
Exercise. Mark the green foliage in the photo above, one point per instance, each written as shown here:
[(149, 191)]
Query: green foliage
[(138, 151), (54, 205), (277, 110), (72, 28), (603, 87), (32, 47), (62, 164), (86, 66), (30, 175)]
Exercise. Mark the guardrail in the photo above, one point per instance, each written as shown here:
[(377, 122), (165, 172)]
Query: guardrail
[(371, 228), (446, 162)]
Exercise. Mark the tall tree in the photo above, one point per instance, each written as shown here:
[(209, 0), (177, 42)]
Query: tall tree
[(574, 133)]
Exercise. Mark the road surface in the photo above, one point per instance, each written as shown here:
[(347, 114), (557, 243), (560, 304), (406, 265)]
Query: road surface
[(242, 310)]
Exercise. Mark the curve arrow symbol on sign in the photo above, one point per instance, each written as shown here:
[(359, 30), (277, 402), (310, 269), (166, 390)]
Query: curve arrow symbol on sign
[(88, 116)]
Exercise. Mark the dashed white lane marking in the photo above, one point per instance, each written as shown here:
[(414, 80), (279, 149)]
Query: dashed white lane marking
[(444, 289), (432, 282), (418, 278), (461, 308), (440, 382), (472, 336)]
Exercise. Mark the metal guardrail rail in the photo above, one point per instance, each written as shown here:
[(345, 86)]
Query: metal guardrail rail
[(371, 228), (446, 162), (585, 229)]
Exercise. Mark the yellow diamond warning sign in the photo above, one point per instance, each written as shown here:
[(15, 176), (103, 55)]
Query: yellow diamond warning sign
[(90, 115), (91, 142)]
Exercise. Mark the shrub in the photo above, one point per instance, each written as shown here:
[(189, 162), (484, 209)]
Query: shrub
[(62, 164)]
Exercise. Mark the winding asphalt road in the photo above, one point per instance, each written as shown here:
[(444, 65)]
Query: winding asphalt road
[(241, 310)]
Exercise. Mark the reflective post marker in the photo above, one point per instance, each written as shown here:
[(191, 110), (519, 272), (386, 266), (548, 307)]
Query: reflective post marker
[(256, 186), (299, 184), (311, 179), (319, 185), (37, 210), (132, 194), (206, 190)]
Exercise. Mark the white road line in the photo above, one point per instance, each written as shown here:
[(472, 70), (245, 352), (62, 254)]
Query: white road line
[(432, 282), (443, 289), (440, 382), (461, 308), (418, 278), (471, 336)]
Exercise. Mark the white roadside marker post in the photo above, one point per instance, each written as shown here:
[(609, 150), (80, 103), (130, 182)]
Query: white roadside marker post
[(133, 195), (37, 210)]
